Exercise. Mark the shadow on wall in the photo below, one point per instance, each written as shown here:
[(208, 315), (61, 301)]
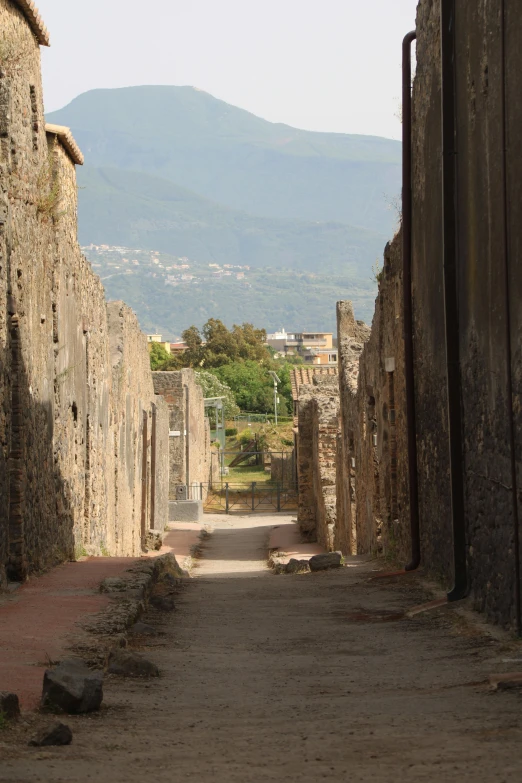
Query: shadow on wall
[(38, 530)]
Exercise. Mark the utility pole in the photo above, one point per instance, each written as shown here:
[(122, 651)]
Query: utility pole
[(276, 381)]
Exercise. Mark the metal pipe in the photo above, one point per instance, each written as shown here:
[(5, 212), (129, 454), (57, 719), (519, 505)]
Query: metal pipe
[(451, 308), (505, 196), (407, 209)]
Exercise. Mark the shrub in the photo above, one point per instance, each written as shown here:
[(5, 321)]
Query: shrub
[(231, 431)]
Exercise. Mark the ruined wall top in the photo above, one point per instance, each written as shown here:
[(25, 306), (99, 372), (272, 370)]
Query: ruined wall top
[(30, 12), (68, 142)]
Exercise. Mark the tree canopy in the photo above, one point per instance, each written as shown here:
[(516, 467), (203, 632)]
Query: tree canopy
[(239, 362)]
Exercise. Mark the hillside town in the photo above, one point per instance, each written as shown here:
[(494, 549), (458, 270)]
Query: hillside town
[(236, 553)]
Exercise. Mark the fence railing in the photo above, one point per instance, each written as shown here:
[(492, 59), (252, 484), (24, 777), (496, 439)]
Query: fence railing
[(250, 498)]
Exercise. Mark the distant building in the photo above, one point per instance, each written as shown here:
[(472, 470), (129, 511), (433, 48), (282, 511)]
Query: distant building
[(315, 348), (156, 338), (177, 348)]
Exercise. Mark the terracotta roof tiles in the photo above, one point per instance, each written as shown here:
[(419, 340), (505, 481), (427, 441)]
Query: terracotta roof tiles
[(68, 142), (35, 20)]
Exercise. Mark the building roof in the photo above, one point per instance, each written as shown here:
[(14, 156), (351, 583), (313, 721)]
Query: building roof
[(301, 376), (67, 141), (30, 11)]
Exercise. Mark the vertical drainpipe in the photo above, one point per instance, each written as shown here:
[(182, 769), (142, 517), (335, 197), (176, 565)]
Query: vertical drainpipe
[(451, 309), (407, 208), (505, 196)]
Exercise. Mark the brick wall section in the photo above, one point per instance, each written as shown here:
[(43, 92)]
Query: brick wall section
[(179, 389), (65, 484)]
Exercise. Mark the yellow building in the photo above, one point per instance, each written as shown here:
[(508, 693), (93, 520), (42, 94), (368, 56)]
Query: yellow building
[(156, 338)]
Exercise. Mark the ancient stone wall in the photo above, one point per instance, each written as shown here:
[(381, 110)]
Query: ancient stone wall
[(189, 450), (71, 414), (488, 329), (373, 423), (318, 413), (325, 426), (351, 337)]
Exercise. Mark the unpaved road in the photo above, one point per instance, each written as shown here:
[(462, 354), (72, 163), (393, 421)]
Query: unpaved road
[(295, 678)]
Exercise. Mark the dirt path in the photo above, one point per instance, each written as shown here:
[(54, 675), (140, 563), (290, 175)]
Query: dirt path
[(297, 678)]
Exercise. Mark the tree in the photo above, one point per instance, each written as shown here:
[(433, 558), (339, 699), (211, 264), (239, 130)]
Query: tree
[(213, 387), (158, 356), (252, 385), (216, 345)]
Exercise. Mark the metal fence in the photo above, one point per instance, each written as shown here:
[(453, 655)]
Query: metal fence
[(250, 498)]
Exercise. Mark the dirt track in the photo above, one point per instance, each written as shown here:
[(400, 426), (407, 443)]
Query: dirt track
[(297, 678)]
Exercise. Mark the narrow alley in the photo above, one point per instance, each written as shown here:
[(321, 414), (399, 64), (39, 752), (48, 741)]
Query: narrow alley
[(296, 677)]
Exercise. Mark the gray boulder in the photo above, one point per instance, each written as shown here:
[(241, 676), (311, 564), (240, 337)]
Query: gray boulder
[(297, 566), (9, 705), (72, 688), (142, 629), (125, 663), (163, 602), (326, 561), (58, 734)]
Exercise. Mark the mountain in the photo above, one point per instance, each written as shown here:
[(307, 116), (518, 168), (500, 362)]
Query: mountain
[(175, 170), (237, 159), (132, 209)]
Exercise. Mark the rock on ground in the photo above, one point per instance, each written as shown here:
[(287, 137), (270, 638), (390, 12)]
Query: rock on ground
[(58, 734), (326, 561), (9, 705), (131, 664), (297, 566), (73, 688)]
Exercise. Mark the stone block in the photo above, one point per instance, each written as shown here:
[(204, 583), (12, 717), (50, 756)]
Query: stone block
[(58, 734), (186, 511), (9, 705), (73, 688), (326, 561), (131, 664)]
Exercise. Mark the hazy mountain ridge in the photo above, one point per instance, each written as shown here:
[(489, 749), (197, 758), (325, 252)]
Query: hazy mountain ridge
[(232, 157), (175, 170)]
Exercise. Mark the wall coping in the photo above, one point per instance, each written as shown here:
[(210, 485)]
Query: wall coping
[(30, 12), (67, 141)]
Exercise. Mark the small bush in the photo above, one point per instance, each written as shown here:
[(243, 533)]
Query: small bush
[(231, 431), (246, 436)]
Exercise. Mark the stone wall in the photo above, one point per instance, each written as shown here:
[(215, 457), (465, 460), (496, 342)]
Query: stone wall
[(488, 331), (318, 413), (373, 421), (325, 425), (75, 384), (351, 337), (189, 450)]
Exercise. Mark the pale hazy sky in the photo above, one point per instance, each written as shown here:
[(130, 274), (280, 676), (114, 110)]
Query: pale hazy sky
[(329, 65)]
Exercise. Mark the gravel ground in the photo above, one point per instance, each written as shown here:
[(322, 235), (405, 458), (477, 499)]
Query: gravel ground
[(297, 678)]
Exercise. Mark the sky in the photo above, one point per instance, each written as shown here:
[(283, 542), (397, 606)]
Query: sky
[(322, 65)]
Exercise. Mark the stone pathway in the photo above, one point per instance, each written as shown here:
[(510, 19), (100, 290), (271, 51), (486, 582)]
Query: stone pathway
[(296, 678)]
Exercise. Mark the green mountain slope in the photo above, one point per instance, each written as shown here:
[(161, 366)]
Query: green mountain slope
[(239, 160), (170, 293), (133, 209)]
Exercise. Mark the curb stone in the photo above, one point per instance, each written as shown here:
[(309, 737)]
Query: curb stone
[(130, 596)]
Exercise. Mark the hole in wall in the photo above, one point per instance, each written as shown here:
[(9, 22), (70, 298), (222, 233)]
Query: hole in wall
[(74, 409)]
